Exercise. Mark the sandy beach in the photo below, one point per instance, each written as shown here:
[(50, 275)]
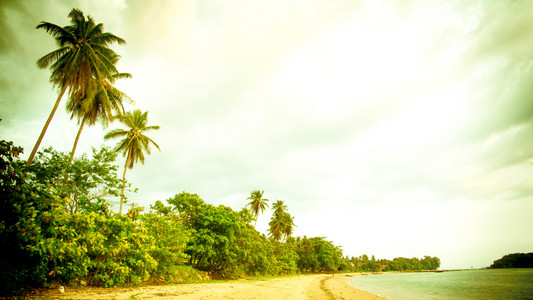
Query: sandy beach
[(296, 287)]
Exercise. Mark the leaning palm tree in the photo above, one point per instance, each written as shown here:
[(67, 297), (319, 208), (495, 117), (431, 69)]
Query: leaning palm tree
[(257, 203), (134, 141), (83, 55), (104, 105)]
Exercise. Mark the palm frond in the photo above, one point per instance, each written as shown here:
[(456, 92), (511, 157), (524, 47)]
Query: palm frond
[(76, 15), (129, 120), (46, 60), (148, 128), (116, 133), (153, 143), (53, 29), (122, 76), (94, 30), (107, 38)]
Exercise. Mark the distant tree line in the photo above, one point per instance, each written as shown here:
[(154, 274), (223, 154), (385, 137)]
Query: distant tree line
[(397, 264), (514, 260)]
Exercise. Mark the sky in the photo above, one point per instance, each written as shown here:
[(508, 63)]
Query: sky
[(392, 128)]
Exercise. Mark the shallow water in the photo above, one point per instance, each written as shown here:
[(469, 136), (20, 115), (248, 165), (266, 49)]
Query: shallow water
[(467, 284)]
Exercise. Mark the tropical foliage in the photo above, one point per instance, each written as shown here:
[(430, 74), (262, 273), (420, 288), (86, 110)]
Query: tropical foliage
[(514, 260), (104, 106), (317, 254), (282, 223), (46, 241), (82, 62), (257, 203), (134, 142), (51, 233), (85, 185)]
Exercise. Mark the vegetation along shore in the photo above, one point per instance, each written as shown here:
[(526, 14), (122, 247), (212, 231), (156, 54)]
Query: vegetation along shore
[(59, 228)]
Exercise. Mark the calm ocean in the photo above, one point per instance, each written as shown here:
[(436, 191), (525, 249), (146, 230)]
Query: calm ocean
[(468, 284)]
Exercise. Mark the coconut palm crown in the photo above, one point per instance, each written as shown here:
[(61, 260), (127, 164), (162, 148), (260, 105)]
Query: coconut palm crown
[(83, 53), (257, 203), (279, 208)]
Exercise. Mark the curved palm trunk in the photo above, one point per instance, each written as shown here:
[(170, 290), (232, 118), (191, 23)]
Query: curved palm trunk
[(123, 185), (76, 141), (40, 139)]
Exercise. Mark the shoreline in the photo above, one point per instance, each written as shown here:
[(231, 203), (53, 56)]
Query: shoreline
[(316, 286)]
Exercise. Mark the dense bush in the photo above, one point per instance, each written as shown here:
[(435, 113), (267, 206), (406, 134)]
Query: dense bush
[(222, 242), (85, 185), (514, 260), (317, 254), (27, 235), (169, 244), (45, 240)]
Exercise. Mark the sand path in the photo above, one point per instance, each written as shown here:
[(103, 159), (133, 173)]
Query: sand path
[(297, 287)]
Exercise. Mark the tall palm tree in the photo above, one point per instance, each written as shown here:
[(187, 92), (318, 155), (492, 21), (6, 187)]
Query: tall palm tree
[(104, 105), (134, 141), (257, 203), (83, 55), (278, 220)]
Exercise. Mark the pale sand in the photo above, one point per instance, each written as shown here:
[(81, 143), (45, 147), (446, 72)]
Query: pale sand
[(296, 287)]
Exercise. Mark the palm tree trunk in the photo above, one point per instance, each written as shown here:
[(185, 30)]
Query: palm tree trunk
[(77, 139), (40, 139), (123, 185)]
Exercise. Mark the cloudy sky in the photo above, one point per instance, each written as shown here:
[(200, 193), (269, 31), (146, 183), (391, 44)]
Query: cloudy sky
[(393, 128)]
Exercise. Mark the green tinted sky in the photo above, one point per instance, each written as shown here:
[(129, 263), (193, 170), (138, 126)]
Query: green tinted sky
[(394, 128)]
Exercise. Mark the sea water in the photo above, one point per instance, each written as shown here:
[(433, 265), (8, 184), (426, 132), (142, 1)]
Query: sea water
[(466, 284)]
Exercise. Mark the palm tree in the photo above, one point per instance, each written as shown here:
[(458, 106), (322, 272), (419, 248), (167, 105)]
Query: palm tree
[(276, 227), (83, 55), (288, 225), (257, 203), (134, 141), (278, 220), (105, 105)]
